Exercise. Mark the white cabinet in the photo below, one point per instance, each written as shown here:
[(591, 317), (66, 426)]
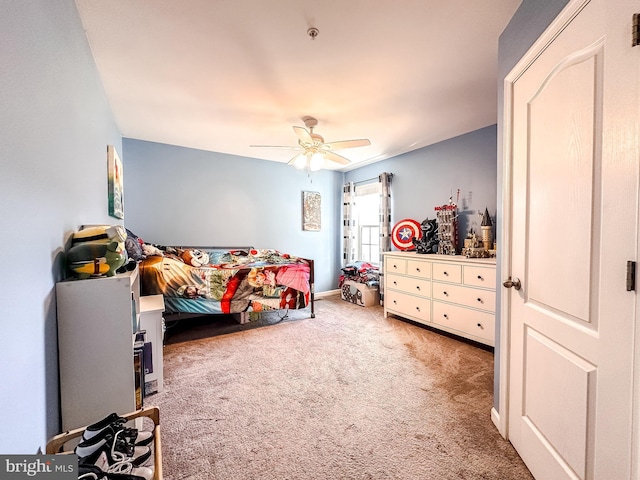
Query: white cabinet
[(451, 293), (97, 318), (151, 321)]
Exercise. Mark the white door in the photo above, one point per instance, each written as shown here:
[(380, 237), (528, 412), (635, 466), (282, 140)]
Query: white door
[(574, 160)]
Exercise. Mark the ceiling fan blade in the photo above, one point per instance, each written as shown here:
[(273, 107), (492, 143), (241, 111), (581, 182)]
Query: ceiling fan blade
[(362, 142), (303, 134), (334, 157)]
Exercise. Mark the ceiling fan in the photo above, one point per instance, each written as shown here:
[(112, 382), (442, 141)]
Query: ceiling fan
[(314, 149)]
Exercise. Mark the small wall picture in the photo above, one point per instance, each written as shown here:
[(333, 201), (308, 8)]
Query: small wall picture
[(311, 211), (115, 184)]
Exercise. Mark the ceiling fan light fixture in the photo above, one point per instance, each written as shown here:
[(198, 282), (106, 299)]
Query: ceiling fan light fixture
[(316, 160), (310, 160), (300, 161)]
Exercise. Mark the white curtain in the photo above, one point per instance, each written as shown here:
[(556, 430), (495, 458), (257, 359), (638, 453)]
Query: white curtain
[(385, 224), (348, 225)]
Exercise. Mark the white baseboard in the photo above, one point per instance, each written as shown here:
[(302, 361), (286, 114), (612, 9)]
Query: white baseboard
[(328, 293), (495, 418)]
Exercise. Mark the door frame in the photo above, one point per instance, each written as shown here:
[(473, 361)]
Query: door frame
[(500, 416)]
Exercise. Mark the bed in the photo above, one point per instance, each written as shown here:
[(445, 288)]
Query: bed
[(217, 280)]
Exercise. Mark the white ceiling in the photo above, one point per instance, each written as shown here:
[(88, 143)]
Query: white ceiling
[(221, 75)]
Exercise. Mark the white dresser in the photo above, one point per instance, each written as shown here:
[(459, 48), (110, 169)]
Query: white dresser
[(452, 293)]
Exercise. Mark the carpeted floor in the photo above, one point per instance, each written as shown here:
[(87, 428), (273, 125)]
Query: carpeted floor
[(346, 395)]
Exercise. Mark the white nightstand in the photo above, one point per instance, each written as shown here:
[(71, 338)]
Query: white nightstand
[(97, 318), (151, 308)]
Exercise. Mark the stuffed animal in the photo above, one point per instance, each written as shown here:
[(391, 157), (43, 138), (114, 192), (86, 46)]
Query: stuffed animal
[(97, 251)]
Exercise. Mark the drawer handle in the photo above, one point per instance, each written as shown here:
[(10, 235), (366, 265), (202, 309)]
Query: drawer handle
[(418, 287), (480, 278), (445, 294), (480, 326), (446, 274), (417, 269), (418, 308), (395, 283), (446, 316), (480, 300), (395, 266), (395, 303)]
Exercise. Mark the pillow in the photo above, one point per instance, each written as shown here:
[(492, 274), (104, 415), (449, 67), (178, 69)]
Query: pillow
[(195, 257), (151, 250)]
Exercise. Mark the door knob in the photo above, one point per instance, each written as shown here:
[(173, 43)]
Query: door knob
[(515, 283)]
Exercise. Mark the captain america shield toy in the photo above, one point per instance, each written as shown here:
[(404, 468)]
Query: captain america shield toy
[(403, 233)]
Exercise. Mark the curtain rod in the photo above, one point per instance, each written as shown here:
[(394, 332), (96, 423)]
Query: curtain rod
[(367, 180)]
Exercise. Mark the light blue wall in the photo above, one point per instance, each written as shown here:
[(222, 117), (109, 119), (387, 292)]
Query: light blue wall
[(427, 177), (183, 196), (527, 24), (55, 124)]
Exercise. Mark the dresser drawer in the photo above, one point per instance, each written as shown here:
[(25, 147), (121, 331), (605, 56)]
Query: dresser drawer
[(395, 265), (469, 297), (447, 272), (417, 308), (479, 276), (418, 268), (465, 322), (412, 285)]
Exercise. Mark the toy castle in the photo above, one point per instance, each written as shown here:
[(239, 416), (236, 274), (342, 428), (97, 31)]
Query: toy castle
[(484, 246)]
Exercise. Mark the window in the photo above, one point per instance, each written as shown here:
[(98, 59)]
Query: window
[(366, 215), (369, 243)]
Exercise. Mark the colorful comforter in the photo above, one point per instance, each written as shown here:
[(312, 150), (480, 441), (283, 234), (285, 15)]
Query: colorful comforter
[(230, 281)]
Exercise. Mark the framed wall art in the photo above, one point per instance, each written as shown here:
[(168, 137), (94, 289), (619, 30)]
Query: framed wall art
[(311, 211), (115, 185)]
